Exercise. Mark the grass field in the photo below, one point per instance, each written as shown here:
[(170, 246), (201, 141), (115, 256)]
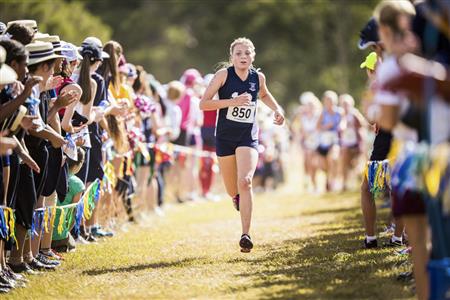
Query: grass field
[(306, 247)]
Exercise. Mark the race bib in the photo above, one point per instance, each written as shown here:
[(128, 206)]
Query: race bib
[(242, 114), (349, 137)]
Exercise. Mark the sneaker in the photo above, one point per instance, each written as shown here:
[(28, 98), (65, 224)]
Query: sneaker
[(91, 239), (4, 290), (99, 232), (7, 282), (246, 243), (44, 260), (50, 255), (370, 245), (81, 240), (22, 268), (404, 251), (56, 254), (405, 276), (236, 202), (15, 276), (39, 266), (6, 277), (392, 244), (388, 230)]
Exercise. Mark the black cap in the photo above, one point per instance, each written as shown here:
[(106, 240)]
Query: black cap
[(368, 35), (94, 52)]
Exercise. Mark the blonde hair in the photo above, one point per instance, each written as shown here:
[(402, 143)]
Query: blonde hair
[(175, 90), (387, 13), (332, 96), (347, 98), (242, 41)]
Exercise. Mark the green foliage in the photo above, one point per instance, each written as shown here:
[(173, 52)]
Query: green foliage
[(70, 20), (300, 44)]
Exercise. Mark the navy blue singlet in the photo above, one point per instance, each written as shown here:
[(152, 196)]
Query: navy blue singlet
[(238, 124)]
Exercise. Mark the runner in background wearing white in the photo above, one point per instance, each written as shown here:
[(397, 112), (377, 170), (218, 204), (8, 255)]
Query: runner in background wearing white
[(308, 115), (351, 140)]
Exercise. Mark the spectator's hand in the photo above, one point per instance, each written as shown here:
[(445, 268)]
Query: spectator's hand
[(57, 141), (78, 128), (66, 98), (17, 88), (6, 144), (278, 118), (26, 159), (31, 81), (27, 122), (99, 114), (79, 142), (54, 82)]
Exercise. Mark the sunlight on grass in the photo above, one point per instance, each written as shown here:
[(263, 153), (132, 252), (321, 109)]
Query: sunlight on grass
[(306, 247)]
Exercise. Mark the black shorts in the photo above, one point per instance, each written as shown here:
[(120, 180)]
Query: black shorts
[(323, 150), (408, 203), (181, 139), (40, 156), (208, 137), (381, 145), (95, 160), (55, 157), (26, 198), (226, 148)]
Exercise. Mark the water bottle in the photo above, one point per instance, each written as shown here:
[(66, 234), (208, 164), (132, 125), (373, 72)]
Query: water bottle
[(33, 108)]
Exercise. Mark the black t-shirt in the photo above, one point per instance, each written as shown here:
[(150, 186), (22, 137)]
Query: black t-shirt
[(32, 141), (381, 145)]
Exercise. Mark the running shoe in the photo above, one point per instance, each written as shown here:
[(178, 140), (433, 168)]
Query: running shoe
[(246, 243), (15, 276), (99, 232), (388, 230), (236, 202), (44, 260), (22, 268), (370, 245), (393, 244), (39, 266), (51, 254)]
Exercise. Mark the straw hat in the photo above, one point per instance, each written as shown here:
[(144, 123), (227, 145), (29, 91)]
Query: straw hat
[(7, 74), (54, 39), (32, 24), (40, 51)]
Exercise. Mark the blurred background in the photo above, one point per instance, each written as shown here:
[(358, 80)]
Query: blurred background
[(300, 45)]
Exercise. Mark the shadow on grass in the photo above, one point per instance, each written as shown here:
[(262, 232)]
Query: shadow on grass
[(140, 267), (333, 265)]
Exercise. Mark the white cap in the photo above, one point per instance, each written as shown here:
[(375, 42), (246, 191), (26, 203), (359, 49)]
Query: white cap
[(7, 74), (70, 52)]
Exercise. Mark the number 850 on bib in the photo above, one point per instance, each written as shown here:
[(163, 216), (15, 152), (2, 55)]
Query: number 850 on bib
[(242, 114)]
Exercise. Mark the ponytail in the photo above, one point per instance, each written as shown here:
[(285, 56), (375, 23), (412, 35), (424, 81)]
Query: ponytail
[(85, 79)]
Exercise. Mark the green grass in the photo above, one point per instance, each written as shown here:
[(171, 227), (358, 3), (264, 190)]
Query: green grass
[(306, 247)]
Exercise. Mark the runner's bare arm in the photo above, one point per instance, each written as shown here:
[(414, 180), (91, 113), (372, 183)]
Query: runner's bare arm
[(265, 95), (269, 100)]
